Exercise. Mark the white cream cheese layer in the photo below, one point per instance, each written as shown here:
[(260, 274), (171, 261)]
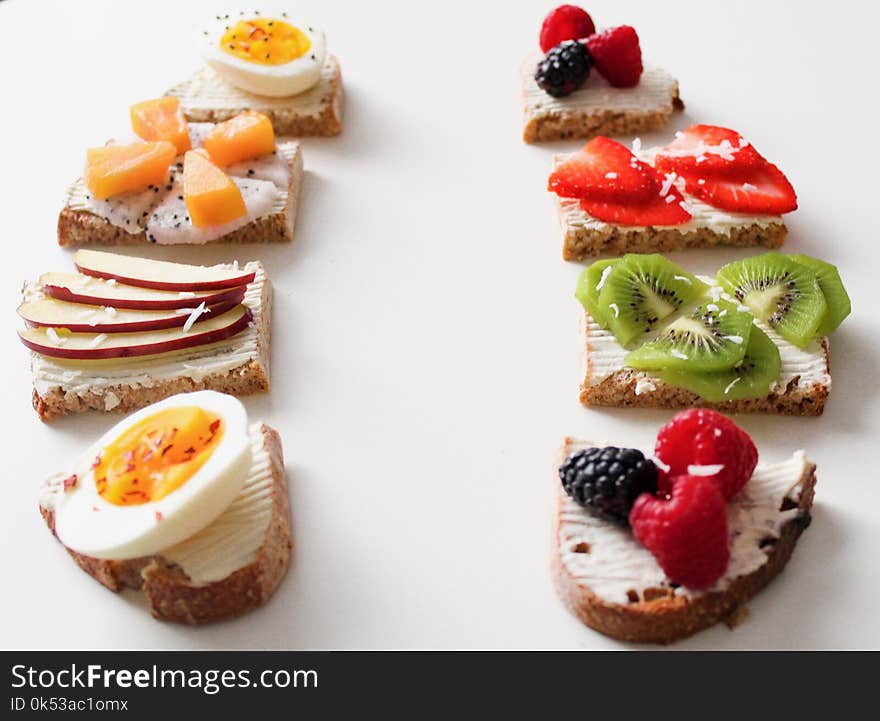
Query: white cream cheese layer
[(572, 217), (206, 91), (78, 377), (610, 562), (161, 212), (604, 356), (228, 543), (653, 94)]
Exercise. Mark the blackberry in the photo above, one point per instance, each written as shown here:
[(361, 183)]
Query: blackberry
[(564, 69), (607, 481)]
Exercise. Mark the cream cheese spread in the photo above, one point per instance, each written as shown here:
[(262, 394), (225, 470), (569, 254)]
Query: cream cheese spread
[(653, 94), (78, 377), (228, 543), (609, 561)]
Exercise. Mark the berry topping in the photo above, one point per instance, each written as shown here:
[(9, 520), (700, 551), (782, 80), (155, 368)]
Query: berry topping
[(657, 210), (564, 69), (607, 481), (686, 533), (710, 150), (617, 56), (763, 190), (604, 170), (705, 443), (567, 22)]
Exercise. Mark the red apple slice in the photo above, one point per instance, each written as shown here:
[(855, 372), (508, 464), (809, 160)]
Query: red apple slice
[(78, 318), (78, 288), (97, 346), (146, 273)]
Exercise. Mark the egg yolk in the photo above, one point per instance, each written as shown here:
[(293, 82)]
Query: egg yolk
[(157, 455), (265, 41)]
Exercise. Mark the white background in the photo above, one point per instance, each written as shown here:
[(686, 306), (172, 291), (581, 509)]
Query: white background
[(425, 350)]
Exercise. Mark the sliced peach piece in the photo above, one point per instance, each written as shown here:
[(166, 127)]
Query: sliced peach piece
[(210, 195), (248, 135), (161, 119), (115, 169)]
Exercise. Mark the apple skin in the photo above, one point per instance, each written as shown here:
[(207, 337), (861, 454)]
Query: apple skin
[(172, 321), (231, 282), (191, 340), (229, 295)]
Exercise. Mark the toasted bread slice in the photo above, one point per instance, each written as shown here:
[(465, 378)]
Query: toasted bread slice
[(802, 390), (262, 556), (597, 108), (238, 366), (79, 224), (207, 97), (633, 601)]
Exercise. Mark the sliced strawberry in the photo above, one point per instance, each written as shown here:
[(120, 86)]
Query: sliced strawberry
[(762, 190), (657, 210), (708, 149), (604, 170)]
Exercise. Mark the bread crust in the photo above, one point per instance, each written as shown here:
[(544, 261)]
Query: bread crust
[(170, 593), (250, 377), (288, 120), (545, 126), (582, 243), (665, 618), (618, 390), (84, 228)]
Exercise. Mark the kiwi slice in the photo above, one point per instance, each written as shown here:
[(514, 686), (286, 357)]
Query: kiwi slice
[(780, 291), (642, 290), (836, 297), (753, 377), (711, 338), (589, 284)]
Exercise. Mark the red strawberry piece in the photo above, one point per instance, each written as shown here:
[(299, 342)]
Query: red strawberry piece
[(762, 190), (604, 170), (617, 56), (708, 150), (657, 210), (686, 533), (699, 441), (567, 22)]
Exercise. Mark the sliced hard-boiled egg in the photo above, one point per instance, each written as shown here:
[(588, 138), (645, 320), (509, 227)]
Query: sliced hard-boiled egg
[(157, 478), (270, 56)]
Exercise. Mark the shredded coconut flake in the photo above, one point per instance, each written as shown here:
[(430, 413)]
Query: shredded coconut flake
[(110, 310), (111, 282), (616, 310), (665, 467), (194, 316), (668, 181), (732, 384), (97, 340), (186, 294), (738, 339), (683, 279), (636, 145), (54, 337), (709, 470), (611, 176), (749, 187), (605, 273), (678, 354)]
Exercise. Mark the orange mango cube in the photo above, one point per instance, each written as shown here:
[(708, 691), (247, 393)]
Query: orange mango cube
[(161, 119), (115, 169), (209, 193), (243, 137)]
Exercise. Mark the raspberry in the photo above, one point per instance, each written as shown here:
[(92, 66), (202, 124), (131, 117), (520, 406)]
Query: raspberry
[(567, 22), (617, 56), (687, 534), (564, 69), (606, 481), (699, 437)]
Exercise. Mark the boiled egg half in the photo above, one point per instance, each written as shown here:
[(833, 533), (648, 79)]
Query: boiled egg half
[(157, 478), (270, 56)]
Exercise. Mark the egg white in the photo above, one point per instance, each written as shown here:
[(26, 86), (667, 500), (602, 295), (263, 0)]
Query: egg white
[(284, 80), (91, 525)]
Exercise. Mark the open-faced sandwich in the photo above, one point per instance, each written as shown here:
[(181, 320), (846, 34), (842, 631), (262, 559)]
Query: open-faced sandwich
[(185, 500), (186, 183), (708, 187), (753, 338), (653, 551), (123, 332), (585, 83), (267, 63)]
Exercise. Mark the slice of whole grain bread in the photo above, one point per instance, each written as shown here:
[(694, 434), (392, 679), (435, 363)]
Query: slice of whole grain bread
[(172, 596), (658, 616)]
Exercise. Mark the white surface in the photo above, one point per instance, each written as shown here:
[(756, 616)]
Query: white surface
[(425, 345)]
